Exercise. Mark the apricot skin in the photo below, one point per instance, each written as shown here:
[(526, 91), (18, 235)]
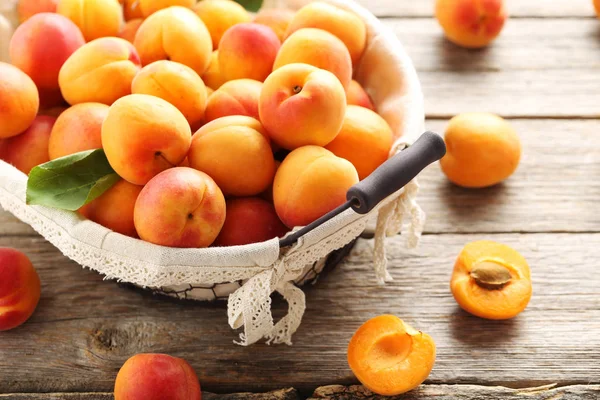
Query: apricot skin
[(212, 76), (130, 29), (389, 357), (220, 15), (28, 8), (19, 101), (503, 303), (149, 7), (30, 148), (597, 7), (482, 150), (19, 288), (277, 19), (356, 95), (237, 97), (95, 18)]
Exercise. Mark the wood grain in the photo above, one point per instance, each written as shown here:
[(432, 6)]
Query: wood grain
[(85, 328), (283, 394)]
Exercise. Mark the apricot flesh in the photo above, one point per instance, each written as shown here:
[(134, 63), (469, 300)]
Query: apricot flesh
[(389, 357), (491, 280)]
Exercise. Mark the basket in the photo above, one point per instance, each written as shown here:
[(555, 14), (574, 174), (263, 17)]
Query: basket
[(248, 275)]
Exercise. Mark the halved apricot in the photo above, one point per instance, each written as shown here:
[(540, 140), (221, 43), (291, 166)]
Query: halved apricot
[(390, 357), (491, 280)]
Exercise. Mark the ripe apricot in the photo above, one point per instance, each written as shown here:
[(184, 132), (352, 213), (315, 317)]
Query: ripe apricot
[(30, 148), (19, 101), (389, 356), (149, 7), (95, 18), (597, 7), (220, 15), (28, 8), (482, 150), (130, 29), (212, 76), (491, 280), (237, 97), (132, 10), (356, 95), (277, 19)]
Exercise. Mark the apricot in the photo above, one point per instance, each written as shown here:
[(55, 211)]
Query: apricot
[(130, 29), (237, 97), (156, 377), (356, 95), (19, 288), (30, 148), (77, 129), (180, 207), (237, 156), (175, 34), (390, 357), (95, 18), (19, 101), (277, 19), (344, 24), (248, 50), (220, 15), (250, 220), (99, 72), (176, 83), (234, 120), (114, 208), (319, 48), (268, 194), (144, 135), (149, 7), (50, 98), (482, 150), (310, 182), (365, 140), (53, 112), (30, 52), (212, 76), (491, 280), (28, 8), (597, 7), (302, 105), (471, 23), (132, 10)]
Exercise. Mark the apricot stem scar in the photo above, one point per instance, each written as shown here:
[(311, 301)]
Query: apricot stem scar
[(490, 275), (297, 89)]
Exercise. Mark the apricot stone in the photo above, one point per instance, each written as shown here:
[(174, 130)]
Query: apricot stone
[(144, 135), (237, 97), (156, 377), (95, 18), (30, 148), (77, 129), (149, 7), (310, 182), (99, 72), (176, 83), (19, 101), (220, 15), (277, 19), (356, 95), (180, 207), (19, 288), (365, 140)]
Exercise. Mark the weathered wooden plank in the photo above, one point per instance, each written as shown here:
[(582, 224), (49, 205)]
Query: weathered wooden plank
[(283, 394), (516, 8), (463, 392), (84, 328)]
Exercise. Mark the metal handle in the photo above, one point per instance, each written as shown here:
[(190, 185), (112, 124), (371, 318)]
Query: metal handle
[(390, 177)]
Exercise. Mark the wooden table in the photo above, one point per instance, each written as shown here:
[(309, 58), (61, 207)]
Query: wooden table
[(544, 75)]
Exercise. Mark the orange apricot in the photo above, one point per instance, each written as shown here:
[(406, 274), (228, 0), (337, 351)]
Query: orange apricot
[(482, 150), (389, 356), (277, 19), (220, 15), (132, 10), (597, 7), (357, 95), (491, 280), (130, 29), (237, 97), (149, 7), (212, 76), (30, 148), (19, 101), (28, 8), (95, 18)]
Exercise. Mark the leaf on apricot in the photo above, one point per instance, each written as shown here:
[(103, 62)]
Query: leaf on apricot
[(70, 182), (251, 5)]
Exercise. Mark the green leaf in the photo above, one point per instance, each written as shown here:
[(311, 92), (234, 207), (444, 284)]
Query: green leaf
[(70, 182), (251, 5)]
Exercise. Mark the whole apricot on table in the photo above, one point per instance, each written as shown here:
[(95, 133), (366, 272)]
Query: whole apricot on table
[(28, 8), (344, 24), (149, 7), (220, 15), (95, 18), (471, 23), (114, 208), (176, 83), (491, 280), (212, 76), (356, 95), (302, 105), (250, 220), (180, 207), (130, 29), (237, 156), (482, 150), (319, 48), (237, 97), (77, 129), (310, 182), (277, 19), (30, 148), (132, 10), (144, 135), (365, 140), (390, 357), (99, 72), (19, 288), (175, 34), (19, 101), (248, 50), (30, 52), (157, 377)]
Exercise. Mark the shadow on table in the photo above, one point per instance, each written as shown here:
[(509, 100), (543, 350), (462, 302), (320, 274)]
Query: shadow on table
[(480, 332)]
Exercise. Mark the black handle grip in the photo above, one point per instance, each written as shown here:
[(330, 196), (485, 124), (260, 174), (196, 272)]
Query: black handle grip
[(396, 172)]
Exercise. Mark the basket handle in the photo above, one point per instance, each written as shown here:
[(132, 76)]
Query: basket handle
[(390, 177)]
